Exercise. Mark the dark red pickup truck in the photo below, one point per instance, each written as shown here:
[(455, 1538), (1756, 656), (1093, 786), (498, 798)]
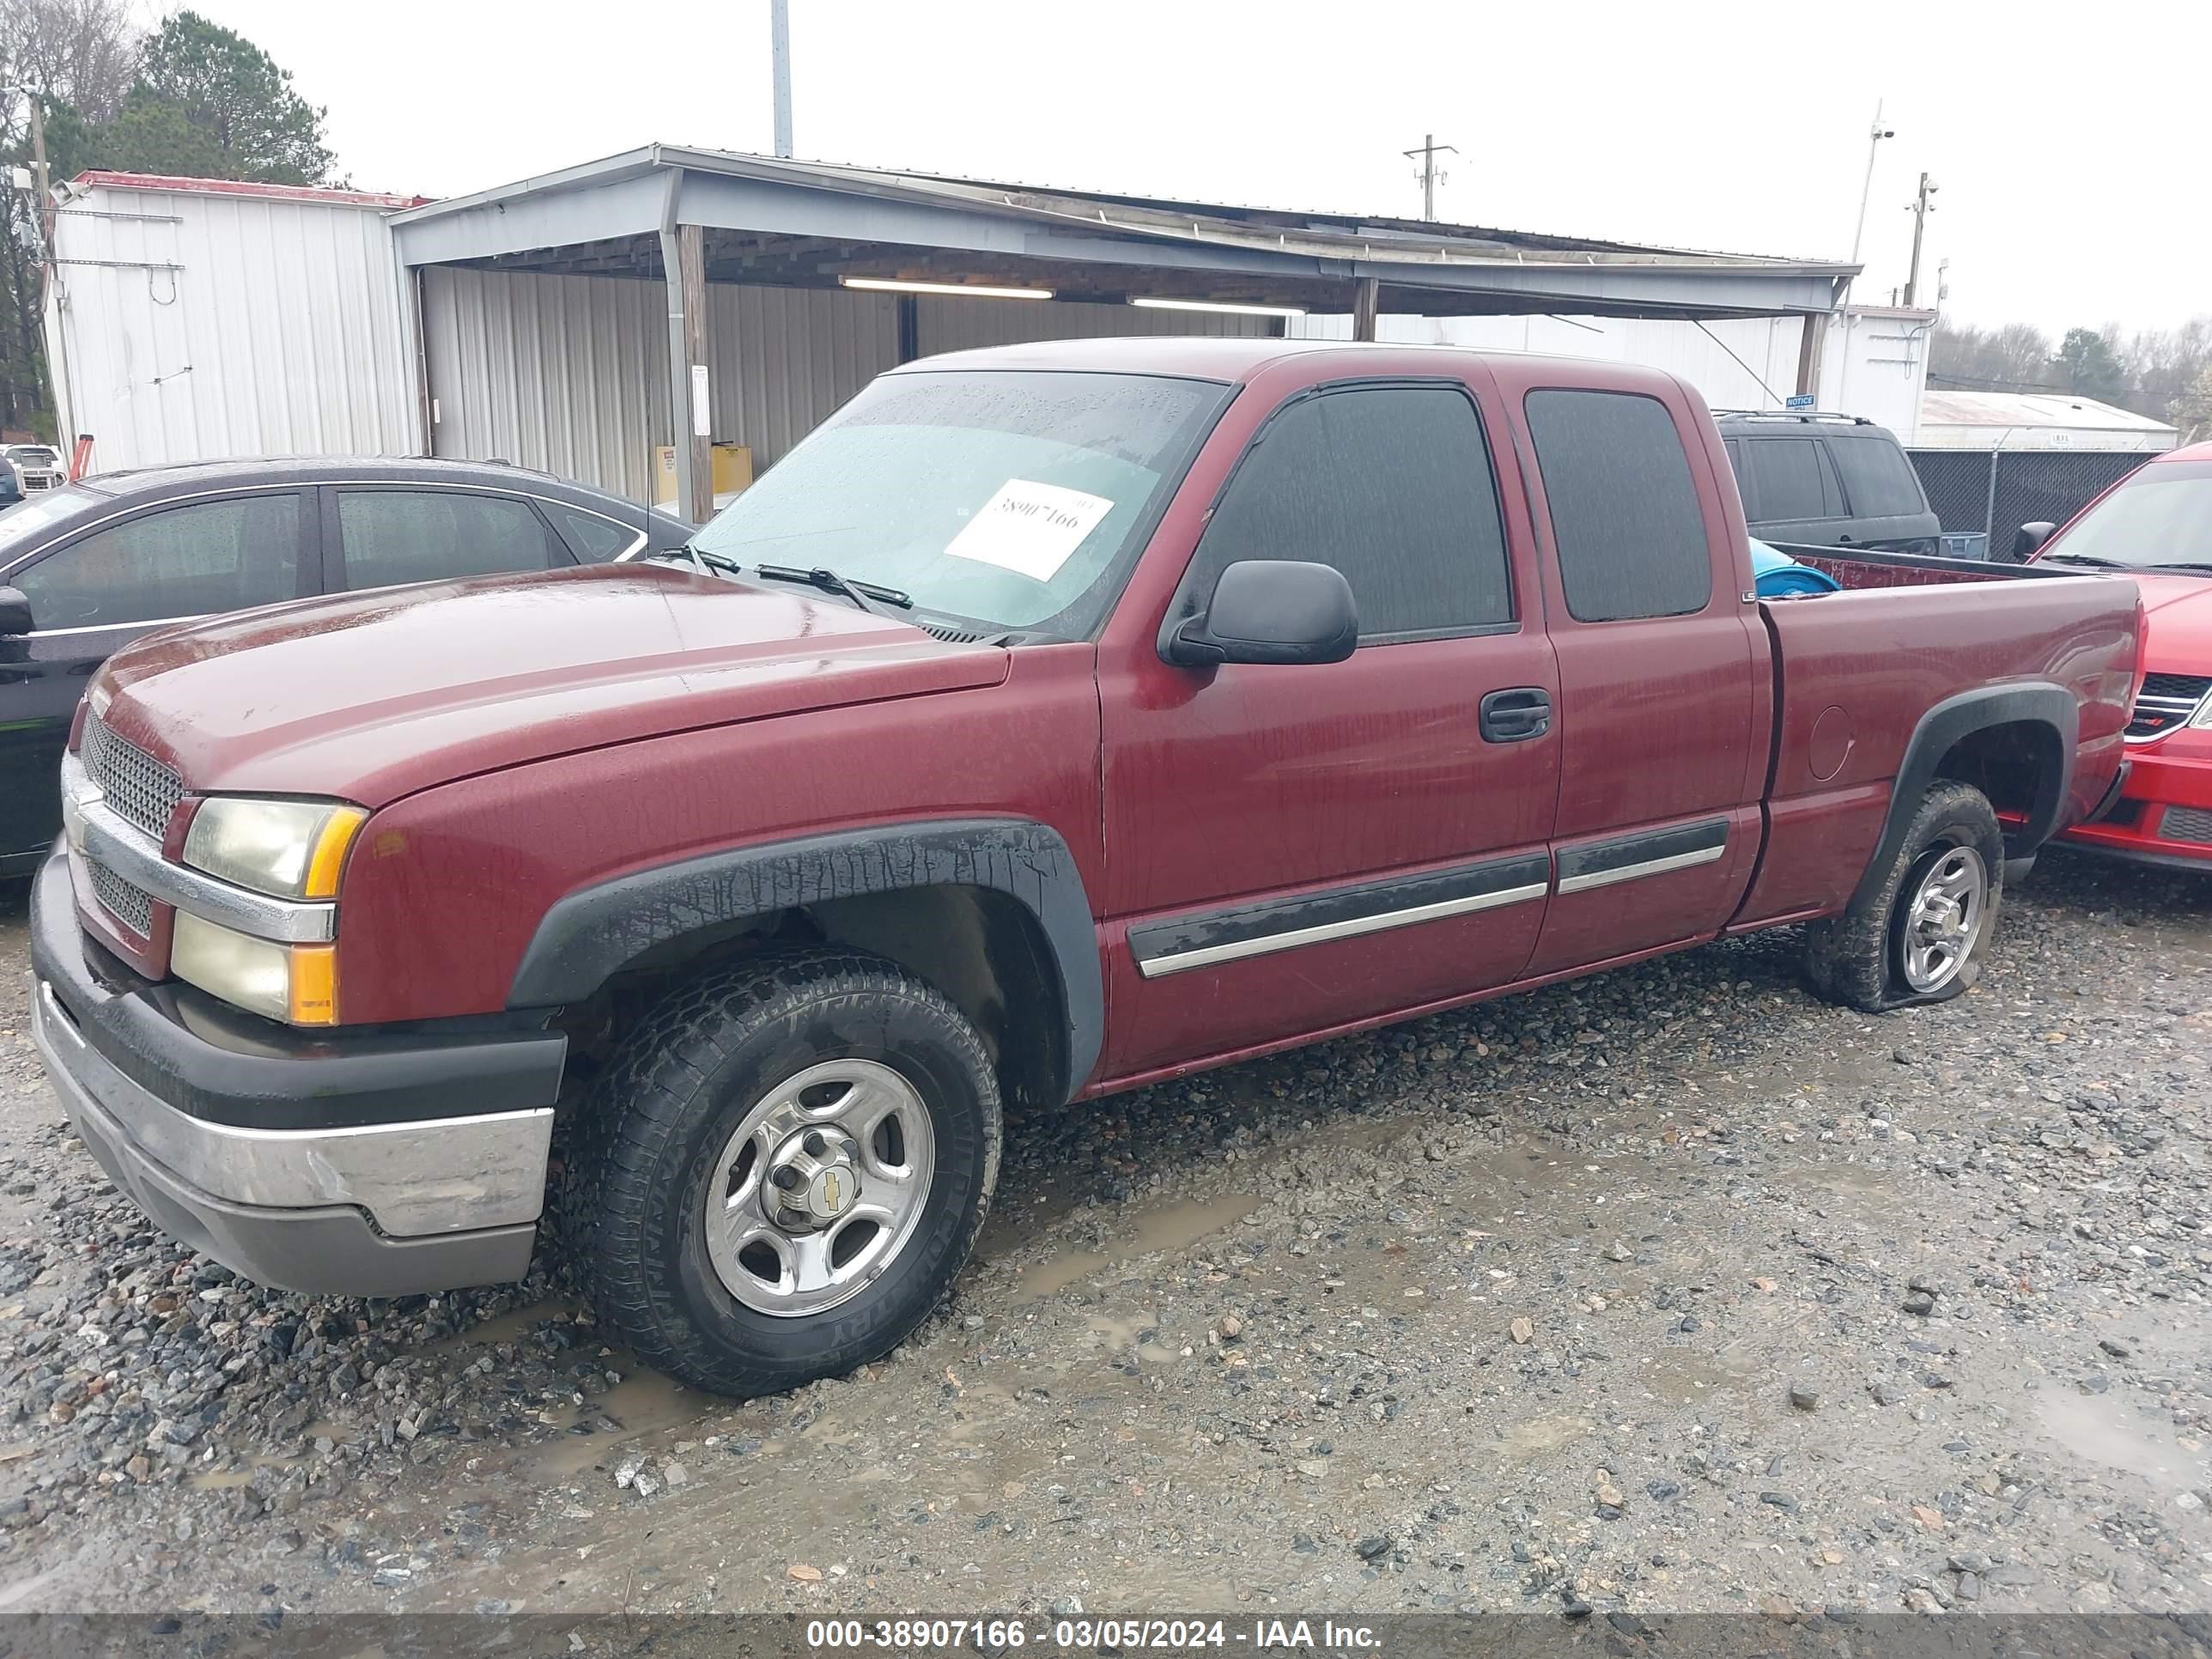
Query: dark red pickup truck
[(1053, 721)]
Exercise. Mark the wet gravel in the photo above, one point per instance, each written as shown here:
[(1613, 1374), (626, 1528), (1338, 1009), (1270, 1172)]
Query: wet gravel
[(1669, 1290)]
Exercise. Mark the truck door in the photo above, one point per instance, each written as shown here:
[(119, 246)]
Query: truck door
[(1665, 688), (1293, 848)]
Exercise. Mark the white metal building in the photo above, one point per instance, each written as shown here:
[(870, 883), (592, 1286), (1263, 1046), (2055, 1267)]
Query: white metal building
[(2015, 420), (1873, 360), (613, 321), (197, 319)]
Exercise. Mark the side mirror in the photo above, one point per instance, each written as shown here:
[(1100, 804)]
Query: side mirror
[(2027, 538), (1271, 611), (14, 612)]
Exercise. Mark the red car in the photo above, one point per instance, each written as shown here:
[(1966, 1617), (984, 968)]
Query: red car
[(2156, 525), (1053, 721)]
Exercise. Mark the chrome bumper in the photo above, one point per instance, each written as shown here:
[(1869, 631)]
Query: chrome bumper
[(449, 1175)]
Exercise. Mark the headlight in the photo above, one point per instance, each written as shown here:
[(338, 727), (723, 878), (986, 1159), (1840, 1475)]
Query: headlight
[(294, 983), (286, 848), (2203, 718)]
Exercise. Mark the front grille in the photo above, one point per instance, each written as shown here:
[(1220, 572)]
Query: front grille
[(141, 790), (2186, 823), (2165, 702), (129, 903)]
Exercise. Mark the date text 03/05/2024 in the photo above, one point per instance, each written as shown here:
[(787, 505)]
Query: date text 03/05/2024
[(997, 1635)]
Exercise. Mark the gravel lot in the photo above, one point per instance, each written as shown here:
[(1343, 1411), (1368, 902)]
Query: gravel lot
[(1669, 1291)]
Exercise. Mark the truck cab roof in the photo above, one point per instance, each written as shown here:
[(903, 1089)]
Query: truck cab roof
[(1234, 361)]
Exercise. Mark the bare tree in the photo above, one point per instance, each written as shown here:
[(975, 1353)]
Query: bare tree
[(2013, 358), (2164, 365), (2192, 411), (83, 53)]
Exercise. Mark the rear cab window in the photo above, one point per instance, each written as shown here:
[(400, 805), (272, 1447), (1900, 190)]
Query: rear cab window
[(1392, 485), (1625, 518)]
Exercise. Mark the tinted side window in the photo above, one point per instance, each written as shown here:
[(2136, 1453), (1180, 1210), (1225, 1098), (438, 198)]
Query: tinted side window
[(1625, 512), (1392, 485), (1881, 482), (1786, 478), (393, 536), (593, 537), (190, 561)]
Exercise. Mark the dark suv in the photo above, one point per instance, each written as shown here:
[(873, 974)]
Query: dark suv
[(1825, 480)]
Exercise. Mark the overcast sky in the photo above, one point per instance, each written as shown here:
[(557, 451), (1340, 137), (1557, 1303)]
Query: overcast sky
[(2060, 137)]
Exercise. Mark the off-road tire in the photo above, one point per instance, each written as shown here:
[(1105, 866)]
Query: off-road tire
[(634, 1198), (1853, 958)]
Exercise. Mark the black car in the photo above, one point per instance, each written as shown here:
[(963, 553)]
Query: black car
[(1819, 480), (100, 561)]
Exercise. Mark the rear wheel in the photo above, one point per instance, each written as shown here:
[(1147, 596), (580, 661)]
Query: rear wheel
[(783, 1169), (1919, 934)]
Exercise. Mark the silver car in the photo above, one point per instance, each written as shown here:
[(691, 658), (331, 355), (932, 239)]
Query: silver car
[(37, 466)]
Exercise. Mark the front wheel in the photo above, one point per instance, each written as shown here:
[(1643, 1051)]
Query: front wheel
[(783, 1169), (1919, 935)]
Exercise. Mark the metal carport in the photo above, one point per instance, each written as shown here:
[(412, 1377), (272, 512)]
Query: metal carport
[(764, 334)]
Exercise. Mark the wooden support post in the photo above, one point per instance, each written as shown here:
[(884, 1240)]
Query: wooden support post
[(1808, 354), (696, 455), (1366, 300), (683, 273)]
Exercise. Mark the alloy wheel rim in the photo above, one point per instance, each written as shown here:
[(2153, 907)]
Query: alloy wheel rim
[(819, 1189), (1944, 920)]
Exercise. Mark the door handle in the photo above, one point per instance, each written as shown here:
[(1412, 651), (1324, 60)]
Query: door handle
[(1517, 714)]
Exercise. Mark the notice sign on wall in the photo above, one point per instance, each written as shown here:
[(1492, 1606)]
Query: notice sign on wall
[(1031, 529)]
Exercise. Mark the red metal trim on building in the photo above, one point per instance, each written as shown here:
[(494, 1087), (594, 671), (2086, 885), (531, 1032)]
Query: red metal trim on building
[(242, 187)]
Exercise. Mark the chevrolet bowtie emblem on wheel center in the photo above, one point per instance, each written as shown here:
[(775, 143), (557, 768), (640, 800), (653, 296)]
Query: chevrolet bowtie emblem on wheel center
[(831, 1192)]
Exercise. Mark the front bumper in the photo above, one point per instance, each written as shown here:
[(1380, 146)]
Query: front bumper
[(357, 1164), (2164, 815)]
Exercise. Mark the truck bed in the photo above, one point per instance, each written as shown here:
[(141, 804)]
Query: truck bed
[(1873, 569), (1856, 671)]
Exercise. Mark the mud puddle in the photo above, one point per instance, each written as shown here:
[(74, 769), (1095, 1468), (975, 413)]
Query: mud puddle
[(2104, 1429), (1170, 1227)]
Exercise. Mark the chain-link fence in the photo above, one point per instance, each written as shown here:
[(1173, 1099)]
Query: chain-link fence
[(1992, 493)]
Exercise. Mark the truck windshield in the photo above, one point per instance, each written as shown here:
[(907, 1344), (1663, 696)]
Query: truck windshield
[(1013, 499), (2160, 516)]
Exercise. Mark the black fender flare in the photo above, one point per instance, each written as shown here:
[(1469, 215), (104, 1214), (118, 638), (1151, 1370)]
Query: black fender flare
[(2037, 703), (591, 933)]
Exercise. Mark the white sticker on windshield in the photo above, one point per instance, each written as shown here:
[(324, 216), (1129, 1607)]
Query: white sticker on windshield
[(1032, 529)]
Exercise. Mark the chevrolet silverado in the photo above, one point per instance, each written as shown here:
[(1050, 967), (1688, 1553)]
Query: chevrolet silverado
[(1053, 721)]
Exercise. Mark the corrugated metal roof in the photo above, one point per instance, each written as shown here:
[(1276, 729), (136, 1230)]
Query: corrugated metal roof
[(1334, 235), (2040, 409)]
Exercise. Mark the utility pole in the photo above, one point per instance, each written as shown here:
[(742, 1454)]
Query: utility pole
[(1875, 137), (778, 27), (1428, 151), (1920, 208), (58, 368)]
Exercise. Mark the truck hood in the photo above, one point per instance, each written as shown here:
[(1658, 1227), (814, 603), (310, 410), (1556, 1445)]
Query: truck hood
[(2179, 610), (369, 696)]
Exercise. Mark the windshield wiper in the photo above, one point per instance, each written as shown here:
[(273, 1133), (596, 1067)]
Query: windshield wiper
[(699, 559), (829, 581), (2088, 558), (2184, 564)]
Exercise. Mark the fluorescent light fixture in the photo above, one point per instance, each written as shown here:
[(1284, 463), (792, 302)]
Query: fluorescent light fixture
[(1150, 304), (891, 285)]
